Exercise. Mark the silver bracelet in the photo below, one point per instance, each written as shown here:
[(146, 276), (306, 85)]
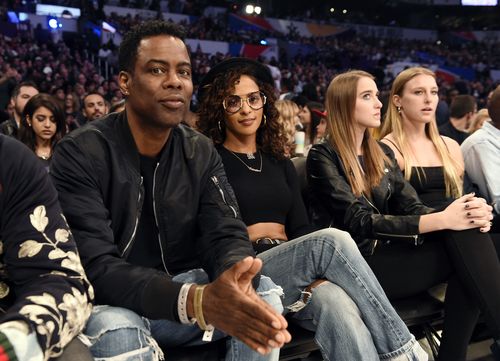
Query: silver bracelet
[(182, 305)]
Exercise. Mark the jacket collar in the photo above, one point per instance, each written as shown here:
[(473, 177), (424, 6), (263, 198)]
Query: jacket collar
[(182, 134)]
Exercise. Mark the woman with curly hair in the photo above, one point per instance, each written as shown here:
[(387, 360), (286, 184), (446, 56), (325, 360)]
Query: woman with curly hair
[(341, 299)]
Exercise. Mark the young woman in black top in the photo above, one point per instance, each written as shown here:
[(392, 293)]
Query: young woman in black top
[(356, 185), (349, 312)]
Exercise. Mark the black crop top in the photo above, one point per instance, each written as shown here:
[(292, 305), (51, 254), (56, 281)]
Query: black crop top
[(272, 195)]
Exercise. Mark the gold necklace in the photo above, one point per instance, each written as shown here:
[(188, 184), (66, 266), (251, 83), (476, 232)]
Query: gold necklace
[(246, 165), (44, 155)]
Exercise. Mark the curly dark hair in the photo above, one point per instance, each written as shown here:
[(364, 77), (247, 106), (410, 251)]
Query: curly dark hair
[(271, 137), (127, 54)]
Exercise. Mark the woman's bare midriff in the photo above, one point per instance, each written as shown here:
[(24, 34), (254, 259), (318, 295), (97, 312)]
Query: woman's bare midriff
[(267, 229)]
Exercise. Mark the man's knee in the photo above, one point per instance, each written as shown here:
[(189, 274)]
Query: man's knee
[(114, 331), (271, 293)]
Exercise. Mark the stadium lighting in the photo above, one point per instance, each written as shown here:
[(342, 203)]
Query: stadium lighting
[(344, 11), (53, 23), (332, 10), (251, 9)]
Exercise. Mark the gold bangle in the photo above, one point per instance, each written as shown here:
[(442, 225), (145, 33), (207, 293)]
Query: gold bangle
[(198, 308)]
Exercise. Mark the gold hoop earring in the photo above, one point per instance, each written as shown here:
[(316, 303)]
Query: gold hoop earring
[(219, 126), (265, 120)]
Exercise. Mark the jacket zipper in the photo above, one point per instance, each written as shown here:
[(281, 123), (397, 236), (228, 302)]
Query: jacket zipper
[(136, 221), (414, 236), (370, 203), (216, 182), (156, 219)]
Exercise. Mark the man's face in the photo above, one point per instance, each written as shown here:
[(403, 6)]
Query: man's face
[(94, 107), (19, 102), (159, 89)]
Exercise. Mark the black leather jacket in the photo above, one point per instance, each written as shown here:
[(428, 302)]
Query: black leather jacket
[(96, 171), (392, 213)]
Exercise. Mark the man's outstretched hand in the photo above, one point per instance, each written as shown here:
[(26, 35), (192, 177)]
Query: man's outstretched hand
[(231, 305)]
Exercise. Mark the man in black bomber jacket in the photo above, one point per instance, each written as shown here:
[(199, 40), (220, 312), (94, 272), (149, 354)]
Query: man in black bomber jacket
[(152, 213)]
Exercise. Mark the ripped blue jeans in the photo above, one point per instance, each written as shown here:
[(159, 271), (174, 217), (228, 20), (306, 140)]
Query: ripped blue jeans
[(350, 314), (119, 334)]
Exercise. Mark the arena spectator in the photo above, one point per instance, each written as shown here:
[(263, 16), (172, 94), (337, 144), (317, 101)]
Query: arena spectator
[(286, 89), (42, 126), (463, 108), (72, 110), (289, 118), (481, 154), (94, 107), (20, 96)]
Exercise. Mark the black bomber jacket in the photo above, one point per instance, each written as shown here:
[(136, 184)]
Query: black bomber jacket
[(392, 212), (97, 174)]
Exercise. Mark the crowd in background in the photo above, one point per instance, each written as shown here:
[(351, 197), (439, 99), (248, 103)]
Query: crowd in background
[(69, 68)]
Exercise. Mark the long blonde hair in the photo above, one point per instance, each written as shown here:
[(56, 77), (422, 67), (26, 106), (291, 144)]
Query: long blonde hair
[(340, 105), (393, 123)]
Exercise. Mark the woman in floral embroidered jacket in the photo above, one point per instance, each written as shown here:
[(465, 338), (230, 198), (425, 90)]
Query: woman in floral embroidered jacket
[(45, 297)]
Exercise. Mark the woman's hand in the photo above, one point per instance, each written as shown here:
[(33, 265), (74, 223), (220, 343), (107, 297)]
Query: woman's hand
[(468, 212)]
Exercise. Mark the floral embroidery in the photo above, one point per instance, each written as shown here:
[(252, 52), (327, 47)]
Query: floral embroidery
[(59, 320)]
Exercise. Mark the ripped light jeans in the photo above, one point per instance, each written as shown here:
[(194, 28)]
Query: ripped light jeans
[(119, 334), (351, 315)]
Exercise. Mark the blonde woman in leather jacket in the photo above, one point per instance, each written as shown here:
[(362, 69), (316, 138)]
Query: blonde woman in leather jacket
[(356, 185)]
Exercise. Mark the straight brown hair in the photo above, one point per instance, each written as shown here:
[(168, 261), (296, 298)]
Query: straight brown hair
[(340, 103)]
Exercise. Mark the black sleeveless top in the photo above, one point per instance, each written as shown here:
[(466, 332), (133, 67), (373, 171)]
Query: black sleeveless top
[(430, 186)]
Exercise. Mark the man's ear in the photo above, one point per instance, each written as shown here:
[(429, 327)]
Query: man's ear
[(124, 82)]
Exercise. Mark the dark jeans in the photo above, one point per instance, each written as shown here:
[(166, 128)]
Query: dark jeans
[(467, 260)]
